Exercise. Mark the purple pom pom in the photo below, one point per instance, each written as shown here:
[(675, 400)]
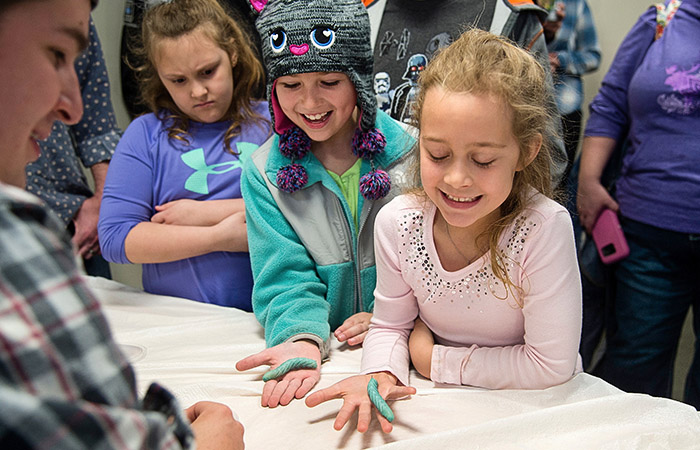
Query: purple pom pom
[(292, 177), (375, 184), (294, 143), (366, 144)]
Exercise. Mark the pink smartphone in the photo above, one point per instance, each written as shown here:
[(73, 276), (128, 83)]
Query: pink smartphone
[(609, 238)]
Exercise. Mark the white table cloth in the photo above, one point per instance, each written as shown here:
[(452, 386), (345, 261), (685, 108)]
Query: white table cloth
[(191, 349)]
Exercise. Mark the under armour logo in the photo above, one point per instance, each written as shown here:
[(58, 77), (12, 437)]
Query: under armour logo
[(197, 182)]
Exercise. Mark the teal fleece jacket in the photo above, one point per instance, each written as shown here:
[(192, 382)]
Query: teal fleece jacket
[(312, 268)]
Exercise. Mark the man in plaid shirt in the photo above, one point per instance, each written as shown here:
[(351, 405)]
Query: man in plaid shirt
[(64, 383)]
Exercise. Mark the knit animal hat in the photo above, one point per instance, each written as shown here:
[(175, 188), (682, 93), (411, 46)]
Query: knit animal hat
[(302, 36)]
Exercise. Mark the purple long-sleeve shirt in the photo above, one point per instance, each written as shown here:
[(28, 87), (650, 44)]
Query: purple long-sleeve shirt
[(654, 89)]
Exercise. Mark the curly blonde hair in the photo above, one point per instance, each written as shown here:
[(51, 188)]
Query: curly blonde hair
[(482, 63), (170, 20)]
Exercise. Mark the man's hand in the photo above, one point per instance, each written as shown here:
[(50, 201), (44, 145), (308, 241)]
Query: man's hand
[(85, 222), (214, 427), (554, 62), (551, 27)]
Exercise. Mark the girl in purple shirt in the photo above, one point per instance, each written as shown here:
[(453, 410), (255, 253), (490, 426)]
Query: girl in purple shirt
[(172, 199)]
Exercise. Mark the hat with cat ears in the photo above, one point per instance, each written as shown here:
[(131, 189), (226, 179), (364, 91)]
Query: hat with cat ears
[(301, 36)]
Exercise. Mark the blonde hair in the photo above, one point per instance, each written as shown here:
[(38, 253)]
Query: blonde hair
[(482, 63), (177, 18)]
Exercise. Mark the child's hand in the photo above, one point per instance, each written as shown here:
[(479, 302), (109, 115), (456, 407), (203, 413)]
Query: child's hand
[(197, 213), (353, 391), (354, 329), (420, 346), (294, 384), (179, 212), (232, 233)]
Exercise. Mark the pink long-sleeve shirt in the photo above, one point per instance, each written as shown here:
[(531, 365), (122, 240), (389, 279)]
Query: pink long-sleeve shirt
[(482, 338)]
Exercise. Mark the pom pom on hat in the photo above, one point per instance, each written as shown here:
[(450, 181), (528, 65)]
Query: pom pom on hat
[(367, 144), (292, 177), (294, 143), (375, 184)]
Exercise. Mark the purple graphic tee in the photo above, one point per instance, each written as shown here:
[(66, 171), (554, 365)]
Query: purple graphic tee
[(658, 100)]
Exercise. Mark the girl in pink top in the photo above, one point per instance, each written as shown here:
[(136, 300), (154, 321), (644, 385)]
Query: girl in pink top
[(477, 277)]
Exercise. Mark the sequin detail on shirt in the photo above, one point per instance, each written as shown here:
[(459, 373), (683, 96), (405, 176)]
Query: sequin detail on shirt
[(477, 284)]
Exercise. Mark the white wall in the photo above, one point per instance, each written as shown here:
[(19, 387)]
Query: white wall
[(613, 20), (108, 17)]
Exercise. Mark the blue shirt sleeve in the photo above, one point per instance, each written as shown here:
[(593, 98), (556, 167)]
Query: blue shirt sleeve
[(127, 199)]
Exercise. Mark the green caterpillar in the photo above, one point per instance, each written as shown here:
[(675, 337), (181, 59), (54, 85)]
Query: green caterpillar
[(378, 401), (289, 365)]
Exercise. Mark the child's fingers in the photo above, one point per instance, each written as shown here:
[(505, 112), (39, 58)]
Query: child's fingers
[(268, 389), (252, 361), (341, 333), (344, 415), (306, 385), (357, 340), (290, 391), (273, 400), (400, 391), (351, 331), (192, 413), (364, 416), (323, 395), (387, 427), (356, 319), (358, 329), (157, 218)]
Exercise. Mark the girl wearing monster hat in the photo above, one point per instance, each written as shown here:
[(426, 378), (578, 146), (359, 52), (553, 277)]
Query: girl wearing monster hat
[(313, 190)]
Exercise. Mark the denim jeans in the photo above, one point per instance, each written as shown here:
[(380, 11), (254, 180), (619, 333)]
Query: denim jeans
[(656, 285)]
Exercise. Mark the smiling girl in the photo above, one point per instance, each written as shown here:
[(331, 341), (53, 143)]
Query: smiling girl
[(172, 198), (477, 264), (313, 191)]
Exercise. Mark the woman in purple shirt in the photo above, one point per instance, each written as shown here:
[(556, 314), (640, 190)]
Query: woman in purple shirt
[(651, 98)]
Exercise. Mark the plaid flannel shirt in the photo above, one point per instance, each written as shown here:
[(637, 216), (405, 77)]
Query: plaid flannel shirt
[(576, 46), (64, 383)]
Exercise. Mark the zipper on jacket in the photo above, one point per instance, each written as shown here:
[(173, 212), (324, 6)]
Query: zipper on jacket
[(358, 260), (354, 249)]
